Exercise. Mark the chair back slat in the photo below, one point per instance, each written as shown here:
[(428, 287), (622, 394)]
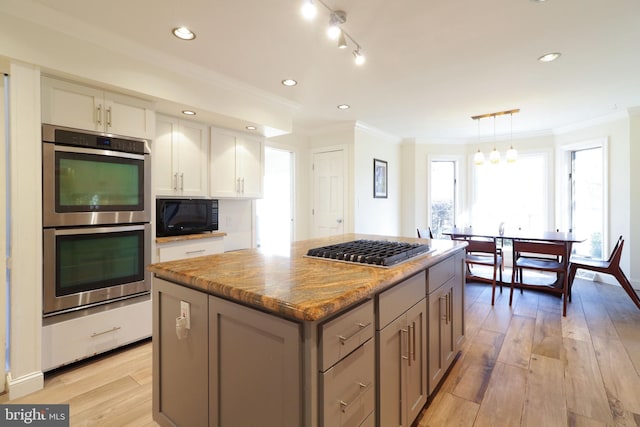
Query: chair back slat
[(486, 246), (546, 248)]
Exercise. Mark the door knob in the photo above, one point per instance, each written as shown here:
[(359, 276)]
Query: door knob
[(339, 221)]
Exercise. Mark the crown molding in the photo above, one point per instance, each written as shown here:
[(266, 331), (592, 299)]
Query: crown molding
[(596, 121)]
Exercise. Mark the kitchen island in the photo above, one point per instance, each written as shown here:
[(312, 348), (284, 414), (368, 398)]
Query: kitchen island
[(250, 338)]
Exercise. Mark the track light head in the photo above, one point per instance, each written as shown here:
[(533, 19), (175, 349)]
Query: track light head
[(359, 57), (342, 42), (337, 18), (309, 10)]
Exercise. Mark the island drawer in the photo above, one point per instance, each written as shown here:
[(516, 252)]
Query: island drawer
[(440, 273), (395, 301), (348, 395), (340, 336)]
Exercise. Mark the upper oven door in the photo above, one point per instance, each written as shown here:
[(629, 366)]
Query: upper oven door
[(86, 186)]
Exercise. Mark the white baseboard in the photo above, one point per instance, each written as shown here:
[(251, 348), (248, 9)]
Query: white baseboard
[(24, 385)]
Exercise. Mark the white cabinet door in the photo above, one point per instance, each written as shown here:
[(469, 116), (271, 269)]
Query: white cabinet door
[(72, 105), (250, 167), (222, 165), (179, 157), (124, 115), (236, 165), (162, 148), (193, 159), (82, 107)]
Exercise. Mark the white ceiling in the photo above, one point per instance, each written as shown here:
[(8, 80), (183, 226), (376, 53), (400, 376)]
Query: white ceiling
[(430, 64)]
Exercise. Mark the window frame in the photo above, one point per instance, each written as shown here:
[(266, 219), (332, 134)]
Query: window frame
[(457, 208), (563, 183)]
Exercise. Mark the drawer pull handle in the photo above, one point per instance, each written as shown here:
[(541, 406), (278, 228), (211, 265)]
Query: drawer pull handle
[(345, 405), (361, 326), (115, 328), (195, 251), (402, 356)]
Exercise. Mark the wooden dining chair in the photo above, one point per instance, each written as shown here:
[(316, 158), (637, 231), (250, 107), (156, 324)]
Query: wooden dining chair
[(484, 252), (540, 256), (424, 233), (610, 266)]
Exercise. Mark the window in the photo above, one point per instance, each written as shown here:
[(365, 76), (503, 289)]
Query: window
[(443, 196), (515, 194)]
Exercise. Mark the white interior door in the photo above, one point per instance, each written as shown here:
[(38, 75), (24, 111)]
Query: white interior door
[(328, 193)]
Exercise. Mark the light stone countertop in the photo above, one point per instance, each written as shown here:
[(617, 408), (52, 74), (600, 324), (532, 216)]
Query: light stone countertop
[(294, 286)]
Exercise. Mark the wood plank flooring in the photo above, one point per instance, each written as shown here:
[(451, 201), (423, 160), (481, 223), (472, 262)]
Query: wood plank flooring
[(523, 365)]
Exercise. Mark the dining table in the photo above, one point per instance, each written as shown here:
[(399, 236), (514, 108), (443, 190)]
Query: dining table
[(565, 238)]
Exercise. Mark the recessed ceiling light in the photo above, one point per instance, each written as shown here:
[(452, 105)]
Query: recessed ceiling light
[(183, 33), (289, 82), (549, 57), (344, 107), (188, 112), (250, 128)]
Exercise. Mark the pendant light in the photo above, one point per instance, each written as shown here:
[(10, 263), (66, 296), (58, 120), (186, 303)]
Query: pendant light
[(494, 156), (478, 158), (512, 154)]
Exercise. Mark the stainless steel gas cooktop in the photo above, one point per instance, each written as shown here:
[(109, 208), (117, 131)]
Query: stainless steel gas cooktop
[(375, 252)]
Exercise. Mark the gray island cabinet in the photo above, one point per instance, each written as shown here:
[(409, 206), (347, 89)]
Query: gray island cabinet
[(251, 339)]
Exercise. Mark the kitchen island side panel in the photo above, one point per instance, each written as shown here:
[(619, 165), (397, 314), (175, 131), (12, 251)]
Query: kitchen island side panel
[(255, 376)]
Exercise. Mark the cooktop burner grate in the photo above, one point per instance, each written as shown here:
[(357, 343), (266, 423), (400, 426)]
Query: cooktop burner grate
[(376, 252)]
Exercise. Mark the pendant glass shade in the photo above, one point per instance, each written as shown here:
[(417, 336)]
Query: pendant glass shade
[(512, 155), (478, 158), (494, 157)]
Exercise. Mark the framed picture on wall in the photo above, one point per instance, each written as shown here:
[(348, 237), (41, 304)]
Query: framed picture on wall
[(380, 179)]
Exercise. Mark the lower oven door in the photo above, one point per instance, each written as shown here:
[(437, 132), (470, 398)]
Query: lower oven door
[(92, 265)]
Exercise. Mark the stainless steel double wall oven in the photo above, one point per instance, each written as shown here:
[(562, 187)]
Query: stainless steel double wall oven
[(96, 213)]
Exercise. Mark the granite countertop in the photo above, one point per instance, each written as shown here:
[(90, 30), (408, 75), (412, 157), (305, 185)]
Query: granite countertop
[(292, 285)]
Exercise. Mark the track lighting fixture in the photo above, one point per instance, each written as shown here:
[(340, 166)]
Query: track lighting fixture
[(335, 31)]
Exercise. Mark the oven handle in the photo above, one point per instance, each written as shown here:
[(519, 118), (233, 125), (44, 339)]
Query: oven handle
[(94, 230), (98, 151)]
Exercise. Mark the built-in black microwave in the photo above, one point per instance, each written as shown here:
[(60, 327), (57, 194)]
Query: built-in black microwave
[(176, 217)]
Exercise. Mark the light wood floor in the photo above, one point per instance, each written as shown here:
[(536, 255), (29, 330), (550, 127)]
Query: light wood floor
[(520, 366)]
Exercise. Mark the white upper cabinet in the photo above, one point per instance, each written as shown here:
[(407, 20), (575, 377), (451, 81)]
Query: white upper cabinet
[(82, 107), (236, 167), (179, 155)]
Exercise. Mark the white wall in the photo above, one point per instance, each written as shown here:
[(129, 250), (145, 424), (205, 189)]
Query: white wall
[(380, 216), (3, 235), (632, 244)]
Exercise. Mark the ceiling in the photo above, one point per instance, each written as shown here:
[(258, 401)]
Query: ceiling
[(431, 65)]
